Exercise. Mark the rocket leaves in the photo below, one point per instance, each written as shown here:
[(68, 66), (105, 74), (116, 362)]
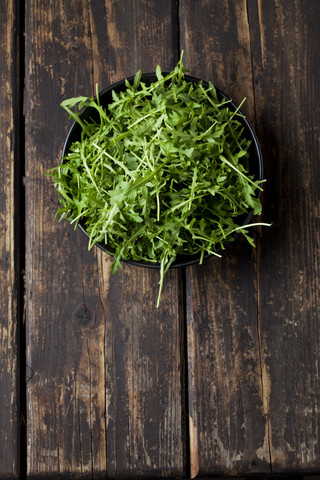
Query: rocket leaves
[(164, 172)]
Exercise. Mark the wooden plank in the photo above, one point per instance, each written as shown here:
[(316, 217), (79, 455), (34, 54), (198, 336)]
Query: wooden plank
[(65, 324), (9, 244), (227, 424), (143, 381), (105, 390), (287, 41), (143, 351)]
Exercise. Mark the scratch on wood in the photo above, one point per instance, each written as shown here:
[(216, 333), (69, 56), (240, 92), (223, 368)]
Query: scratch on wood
[(264, 452), (194, 458), (90, 407), (262, 36)]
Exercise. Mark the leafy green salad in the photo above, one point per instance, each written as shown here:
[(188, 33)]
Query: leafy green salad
[(163, 173)]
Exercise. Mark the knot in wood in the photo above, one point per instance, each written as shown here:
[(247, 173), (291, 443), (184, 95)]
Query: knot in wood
[(84, 316)]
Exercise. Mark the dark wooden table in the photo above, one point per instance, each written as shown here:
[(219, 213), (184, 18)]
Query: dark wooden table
[(222, 379)]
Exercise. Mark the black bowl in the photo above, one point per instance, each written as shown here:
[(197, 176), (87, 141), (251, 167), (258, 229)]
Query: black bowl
[(256, 164)]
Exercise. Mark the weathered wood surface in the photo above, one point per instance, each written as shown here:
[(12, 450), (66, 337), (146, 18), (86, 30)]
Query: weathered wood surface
[(105, 392), (9, 244), (253, 318), (226, 414), (286, 38)]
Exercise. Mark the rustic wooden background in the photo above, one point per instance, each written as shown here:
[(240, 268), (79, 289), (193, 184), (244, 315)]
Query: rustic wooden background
[(223, 379)]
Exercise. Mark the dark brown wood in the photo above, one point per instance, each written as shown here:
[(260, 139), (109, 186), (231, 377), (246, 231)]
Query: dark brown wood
[(9, 245), (143, 378), (143, 347), (228, 428), (64, 319), (105, 370), (105, 390), (286, 40)]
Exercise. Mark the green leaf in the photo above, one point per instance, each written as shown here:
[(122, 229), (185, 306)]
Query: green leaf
[(137, 80), (158, 72)]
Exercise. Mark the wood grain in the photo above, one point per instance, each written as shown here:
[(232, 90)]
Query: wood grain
[(9, 244), (105, 389), (143, 381), (64, 317), (65, 324), (143, 347), (286, 41), (105, 368), (228, 429)]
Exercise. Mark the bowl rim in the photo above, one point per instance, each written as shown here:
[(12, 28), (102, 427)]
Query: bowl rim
[(151, 76)]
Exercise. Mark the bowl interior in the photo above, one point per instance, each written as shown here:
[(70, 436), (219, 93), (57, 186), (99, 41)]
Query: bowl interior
[(255, 160)]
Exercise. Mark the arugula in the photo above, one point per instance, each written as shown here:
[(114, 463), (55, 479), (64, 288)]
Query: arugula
[(164, 172)]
